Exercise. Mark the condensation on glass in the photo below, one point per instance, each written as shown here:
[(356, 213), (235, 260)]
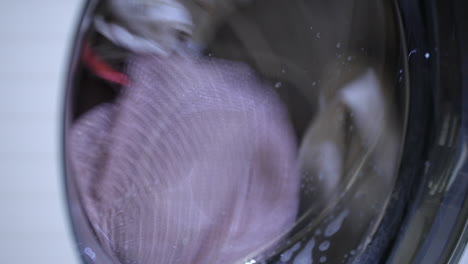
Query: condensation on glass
[(239, 131)]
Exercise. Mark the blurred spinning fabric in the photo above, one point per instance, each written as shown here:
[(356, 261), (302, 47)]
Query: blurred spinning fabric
[(195, 162)]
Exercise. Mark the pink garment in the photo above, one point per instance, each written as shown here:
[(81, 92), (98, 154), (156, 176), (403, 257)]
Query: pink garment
[(194, 164)]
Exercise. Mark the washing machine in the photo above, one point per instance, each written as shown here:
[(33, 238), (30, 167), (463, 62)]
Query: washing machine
[(389, 187)]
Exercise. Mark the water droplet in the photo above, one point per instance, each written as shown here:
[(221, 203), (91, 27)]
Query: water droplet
[(324, 245), (338, 45), (305, 255), (323, 259), (283, 71), (335, 225), (317, 35), (350, 58), (314, 83), (427, 55), (286, 256), (278, 84)]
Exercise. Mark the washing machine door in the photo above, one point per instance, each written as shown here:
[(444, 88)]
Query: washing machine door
[(345, 139), (433, 227)]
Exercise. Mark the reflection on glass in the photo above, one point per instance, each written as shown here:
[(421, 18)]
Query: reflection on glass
[(234, 131)]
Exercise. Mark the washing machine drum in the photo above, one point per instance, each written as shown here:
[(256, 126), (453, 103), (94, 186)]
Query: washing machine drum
[(302, 132)]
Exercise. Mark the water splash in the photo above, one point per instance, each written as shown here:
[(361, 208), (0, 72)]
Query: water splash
[(286, 256), (305, 256), (335, 225)]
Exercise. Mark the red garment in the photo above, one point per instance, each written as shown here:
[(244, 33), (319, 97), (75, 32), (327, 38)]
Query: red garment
[(101, 68)]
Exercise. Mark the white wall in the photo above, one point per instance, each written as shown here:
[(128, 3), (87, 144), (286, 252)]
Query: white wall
[(34, 43)]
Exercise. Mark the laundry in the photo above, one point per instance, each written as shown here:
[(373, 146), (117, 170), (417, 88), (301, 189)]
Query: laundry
[(194, 163), (163, 26), (197, 160), (354, 132)]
